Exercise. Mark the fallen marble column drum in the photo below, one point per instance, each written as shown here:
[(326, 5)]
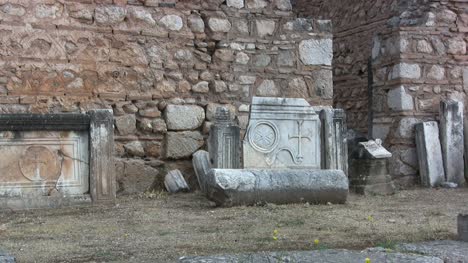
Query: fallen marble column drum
[(228, 187)]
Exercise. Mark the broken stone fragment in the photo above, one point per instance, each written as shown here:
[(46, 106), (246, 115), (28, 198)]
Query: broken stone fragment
[(175, 182), (201, 165)]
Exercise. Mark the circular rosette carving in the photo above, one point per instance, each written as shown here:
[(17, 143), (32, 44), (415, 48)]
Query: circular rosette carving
[(38, 163), (264, 136)]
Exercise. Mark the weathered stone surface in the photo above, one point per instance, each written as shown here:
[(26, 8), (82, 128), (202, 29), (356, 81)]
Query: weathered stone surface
[(284, 5), (316, 256), (126, 124), (201, 87), (456, 46), (462, 227), (282, 133), (297, 88), (235, 3), (13, 9), (249, 187), (134, 176), (406, 127), (172, 22), (316, 51), (265, 27), (184, 117), (447, 250), (286, 58), (196, 23), (334, 143), (135, 148), (373, 150), (431, 167), (406, 71), (219, 24), (109, 15), (452, 140), (6, 258), (212, 107), (242, 58), (264, 60), (256, 4), (175, 182), (267, 89), (370, 177), (224, 141), (399, 100), (321, 84), (436, 72), (182, 144), (202, 165)]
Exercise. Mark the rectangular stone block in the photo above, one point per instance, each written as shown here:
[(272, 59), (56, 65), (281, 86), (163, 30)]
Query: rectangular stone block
[(282, 133), (452, 140), (431, 167), (103, 184), (334, 144)]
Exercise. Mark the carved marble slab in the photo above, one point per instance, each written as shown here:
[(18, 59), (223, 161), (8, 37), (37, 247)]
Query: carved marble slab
[(42, 163), (282, 133)]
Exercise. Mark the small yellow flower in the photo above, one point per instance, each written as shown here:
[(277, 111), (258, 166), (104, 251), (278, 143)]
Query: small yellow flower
[(370, 218), (316, 242), (275, 238), (368, 260), (275, 232)]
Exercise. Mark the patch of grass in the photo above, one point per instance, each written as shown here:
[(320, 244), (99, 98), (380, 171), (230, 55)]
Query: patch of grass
[(387, 244)]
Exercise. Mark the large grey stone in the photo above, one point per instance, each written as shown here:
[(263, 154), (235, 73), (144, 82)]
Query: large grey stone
[(465, 78), (316, 51), (235, 3), (282, 133), (399, 100), (370, 177), (126, 124), (267, 89), (202, 165), (316, 256), (452, 141), (172, 22), (465, 135), (108, 15), (447, 250), (224, 141), (406, 127), (249, 187), (196, 23), (184, 117), (406, 71), (219, 24), (175, 182), (134, 176), (265, 27), (431, 167), (182, 144)]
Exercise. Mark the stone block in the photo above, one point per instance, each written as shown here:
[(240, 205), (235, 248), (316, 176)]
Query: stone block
[(267, 88), (126, 124), (134, 176), (265, 27), (462, 226), (282, 133), (202, 165), (250, 187), (370, 177), (431, 168), (316, 51), (452, 140), (219, 24), (182, 144), (334, 144), (184, 117), (235, 3), (172, 22), (102, 182), (224, 141), (399, 100), (175, 182), (406, 71)]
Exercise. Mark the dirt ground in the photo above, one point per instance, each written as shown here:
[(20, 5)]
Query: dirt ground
[(161, 228)]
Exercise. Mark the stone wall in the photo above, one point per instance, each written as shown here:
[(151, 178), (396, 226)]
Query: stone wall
[(162, 66), (355, 23), (418, 51), (429, 63)]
